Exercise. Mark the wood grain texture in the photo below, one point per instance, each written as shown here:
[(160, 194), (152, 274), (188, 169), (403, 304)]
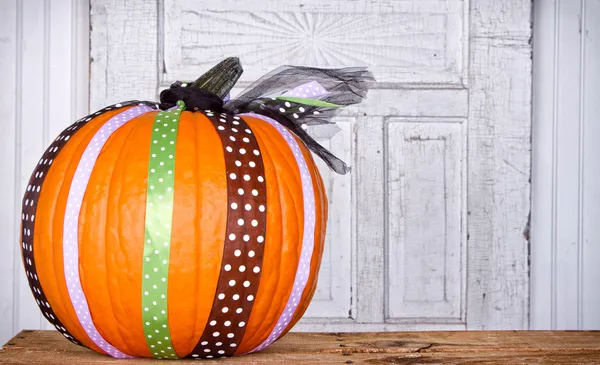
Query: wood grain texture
[(371, 220), (472, 347), (123, 51), (426, 193), (499, 152)]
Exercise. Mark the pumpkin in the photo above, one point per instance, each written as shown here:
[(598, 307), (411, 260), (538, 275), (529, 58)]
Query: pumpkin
[(182, 228)]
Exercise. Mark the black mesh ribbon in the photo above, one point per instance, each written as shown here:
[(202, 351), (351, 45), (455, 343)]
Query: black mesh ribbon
[(294, 96)]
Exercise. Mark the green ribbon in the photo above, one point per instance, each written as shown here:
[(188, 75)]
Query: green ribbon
[(308, 101), (157, 241)]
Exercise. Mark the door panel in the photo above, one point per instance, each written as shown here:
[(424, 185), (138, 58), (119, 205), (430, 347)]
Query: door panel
[(418, 41), (333, 298), (426, 191)]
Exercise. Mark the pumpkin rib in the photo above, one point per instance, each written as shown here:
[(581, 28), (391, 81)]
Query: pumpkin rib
[(52, 206), (285, 190), (191, 339), (321, 203), (114, 190), (112, 301), (32, 196), (300, 239), (205, 255), (112, 294), (126, 150), (194, 340), (64, 189), (71, 242)]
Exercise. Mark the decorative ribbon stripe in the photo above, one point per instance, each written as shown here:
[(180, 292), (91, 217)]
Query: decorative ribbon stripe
[(70, 227), (308, 101), (29, 207), (308, 238), (157, 241), (244, 239)]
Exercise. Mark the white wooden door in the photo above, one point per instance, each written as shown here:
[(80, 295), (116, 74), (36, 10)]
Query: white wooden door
[(429, 229)]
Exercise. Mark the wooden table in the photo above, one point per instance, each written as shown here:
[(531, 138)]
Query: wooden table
[(473, 347)]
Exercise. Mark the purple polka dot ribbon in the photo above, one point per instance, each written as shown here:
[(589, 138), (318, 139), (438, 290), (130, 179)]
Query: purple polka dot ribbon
[(308, 238), (70, 233), (29, 209), (310, 89)]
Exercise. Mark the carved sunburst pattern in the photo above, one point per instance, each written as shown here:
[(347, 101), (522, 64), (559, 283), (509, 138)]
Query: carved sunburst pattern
[(403, 40), (395, 45)]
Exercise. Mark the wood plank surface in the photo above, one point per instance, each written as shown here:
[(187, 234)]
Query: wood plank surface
[(458, 347)]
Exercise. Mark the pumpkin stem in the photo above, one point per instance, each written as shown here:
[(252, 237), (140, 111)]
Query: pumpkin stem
[(220, 79)]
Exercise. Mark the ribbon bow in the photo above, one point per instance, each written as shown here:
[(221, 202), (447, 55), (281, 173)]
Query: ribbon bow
[(294, 96)]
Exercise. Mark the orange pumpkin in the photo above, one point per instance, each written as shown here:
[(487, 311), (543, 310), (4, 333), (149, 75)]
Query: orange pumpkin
[(174, 233)]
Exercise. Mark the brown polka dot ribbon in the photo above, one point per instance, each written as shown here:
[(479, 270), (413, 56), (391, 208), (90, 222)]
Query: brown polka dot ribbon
[(244, 239), (30, 201)]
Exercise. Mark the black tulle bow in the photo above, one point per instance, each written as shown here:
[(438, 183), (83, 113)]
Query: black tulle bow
[(194, 98), (270, 96)]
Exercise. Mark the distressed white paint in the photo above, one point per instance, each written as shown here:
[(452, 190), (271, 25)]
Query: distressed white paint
[(123, 51), (43, 58), (333, 297), (370, 210), (566, 194), (403, 41), (499, 131), (449, 70)]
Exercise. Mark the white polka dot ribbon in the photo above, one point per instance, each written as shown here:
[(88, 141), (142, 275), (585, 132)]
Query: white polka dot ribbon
[(29, 211), (308, 238), (157, 241), (245, 234)]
